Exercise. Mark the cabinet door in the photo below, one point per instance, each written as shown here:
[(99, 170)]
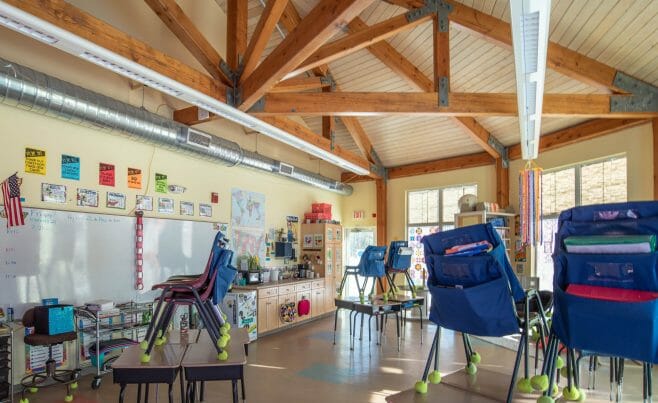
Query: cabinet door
[(262, 315), (338, 263), (329, 295), (272, 313), (317, 302)]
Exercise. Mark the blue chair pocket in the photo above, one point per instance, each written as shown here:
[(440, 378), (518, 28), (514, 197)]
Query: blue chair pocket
[(466, 271), (630, 271)]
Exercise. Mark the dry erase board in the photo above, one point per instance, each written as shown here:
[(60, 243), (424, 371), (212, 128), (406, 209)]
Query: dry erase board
[(79, 257)]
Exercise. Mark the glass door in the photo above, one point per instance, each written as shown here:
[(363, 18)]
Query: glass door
[(356, 240)]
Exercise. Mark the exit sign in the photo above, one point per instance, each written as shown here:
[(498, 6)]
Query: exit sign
[(358, 215)]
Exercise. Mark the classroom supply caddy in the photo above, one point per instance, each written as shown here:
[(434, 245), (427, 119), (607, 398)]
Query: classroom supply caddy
[(620, 319), (476, 292), (101, 332)]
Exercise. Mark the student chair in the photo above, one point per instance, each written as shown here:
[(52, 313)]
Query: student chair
[(477, 295), (617, 291), (398, 261), (34, 382), (371, 265)]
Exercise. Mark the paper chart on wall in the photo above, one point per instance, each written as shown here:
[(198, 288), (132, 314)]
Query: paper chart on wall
[(248, 223)]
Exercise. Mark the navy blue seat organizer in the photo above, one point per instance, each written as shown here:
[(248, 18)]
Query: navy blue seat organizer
[(225, 275), (372, 261), (623, 329), (399, 261)]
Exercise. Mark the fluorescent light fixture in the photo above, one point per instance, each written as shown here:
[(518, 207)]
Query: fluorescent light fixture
[(530, 39), (27, 24)]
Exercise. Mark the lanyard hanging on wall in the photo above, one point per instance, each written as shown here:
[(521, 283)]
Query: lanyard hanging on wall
[(139, 251)]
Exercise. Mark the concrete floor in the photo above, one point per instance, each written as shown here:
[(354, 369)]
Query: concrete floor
[(303, 365)]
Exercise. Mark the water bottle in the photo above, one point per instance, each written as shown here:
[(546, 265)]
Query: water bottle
[(10, 314)]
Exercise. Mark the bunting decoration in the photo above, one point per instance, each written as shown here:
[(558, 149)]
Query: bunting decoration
[(530, 203)]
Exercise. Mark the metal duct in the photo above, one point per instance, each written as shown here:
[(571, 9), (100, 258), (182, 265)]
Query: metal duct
[(31, 90)]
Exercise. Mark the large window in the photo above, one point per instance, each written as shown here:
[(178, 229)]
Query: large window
[(429, 211), (594, 182)]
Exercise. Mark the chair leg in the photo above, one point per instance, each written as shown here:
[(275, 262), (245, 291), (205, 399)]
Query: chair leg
[(156, 316), (435, 376), (146, 356), (335, 323), (410, 282), (342, 284), (517, 363)]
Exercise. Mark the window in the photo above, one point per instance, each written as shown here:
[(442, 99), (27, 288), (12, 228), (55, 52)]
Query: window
[(429, 211), (594, 182)]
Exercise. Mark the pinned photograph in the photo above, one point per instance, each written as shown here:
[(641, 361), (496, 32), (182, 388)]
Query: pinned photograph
[(165, 205), (116, 200), (87, 198), (144, 203)]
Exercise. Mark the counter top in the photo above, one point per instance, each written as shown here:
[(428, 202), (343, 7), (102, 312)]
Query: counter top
[(276, 283)]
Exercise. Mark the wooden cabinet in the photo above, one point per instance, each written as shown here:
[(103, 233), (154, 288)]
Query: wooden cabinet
[(317, 302), (305, 295), (268, 314), (325, 241)]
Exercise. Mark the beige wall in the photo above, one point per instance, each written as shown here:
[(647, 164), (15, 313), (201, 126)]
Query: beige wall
[(363, 199)]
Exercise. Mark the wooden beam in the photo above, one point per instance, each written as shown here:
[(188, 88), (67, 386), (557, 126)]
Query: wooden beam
[(442, 165), (305, 134), (266, 25), (502, 184), (412, 103), (358, 40), (359, 136), (86, 26), (380, 186), (477, 133), (188, 34), (441, 54), (324, 20), (328, 123), (407, 3), (654, 126), (236, 31), (193, 115), (350, 177), (301, 83), (580, 132), (290, 19), (394, 60)]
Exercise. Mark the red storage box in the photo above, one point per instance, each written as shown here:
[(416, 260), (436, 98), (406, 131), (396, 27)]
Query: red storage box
[(317, 216), (322, 208)]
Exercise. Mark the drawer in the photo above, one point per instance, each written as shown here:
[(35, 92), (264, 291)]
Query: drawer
[(303, 287), (317, 284), (268, 292), (286, 289)]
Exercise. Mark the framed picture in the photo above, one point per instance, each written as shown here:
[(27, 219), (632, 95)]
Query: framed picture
[(87, 198), (165, 205), (318, 241), (144, 203), (205, 210), (186, 208), (308, 241), (52, 193), (116, 200)]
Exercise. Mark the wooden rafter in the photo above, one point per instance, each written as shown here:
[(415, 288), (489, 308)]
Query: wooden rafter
[(328, 123), (320, 24), (236, 32), (86, 26), (412, 103), (305, 134), (189, 35), (301, 83), (580, 132), (266, 25), (441, 54), (358, 40), (477, 133), (360, 137), (442, 165)]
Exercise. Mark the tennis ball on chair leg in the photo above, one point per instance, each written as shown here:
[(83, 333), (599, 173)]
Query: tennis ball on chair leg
[(539, 382), (144, 344), (471, 368), (223, 331), (222, 342), (68, 398), (145, 358), (555, 390), (545, 399), (559, 362), (570, 393), (524, 386), (564, 372), (476, 358), (435, 377), (24, 400), (582, 396), (223, 356), (421, 387), (74, 385)]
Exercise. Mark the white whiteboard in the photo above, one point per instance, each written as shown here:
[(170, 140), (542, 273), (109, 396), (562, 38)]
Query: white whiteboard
[(78, 257)]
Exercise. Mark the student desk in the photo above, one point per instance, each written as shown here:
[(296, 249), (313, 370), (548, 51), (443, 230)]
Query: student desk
[(163, 368), (200, 364), (377, 309), (344, 304), (407, 302)]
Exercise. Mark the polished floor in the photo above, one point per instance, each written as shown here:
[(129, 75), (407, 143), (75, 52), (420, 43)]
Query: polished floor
[(303, 365)]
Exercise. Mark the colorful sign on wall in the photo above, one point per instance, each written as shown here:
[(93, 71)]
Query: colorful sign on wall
[(70, 167), (106, 174), (35, 161)]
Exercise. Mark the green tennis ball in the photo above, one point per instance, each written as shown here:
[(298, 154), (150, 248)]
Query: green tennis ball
[(476, 358), (145, 358), (223, 356), (564, 372), (539, 382), (74, 385), (224, 316), (223, 331), (535, 336), (555, 390), (582, 396), (159, 333), (524, 386), (222, 342), (227, 326), (570, 393), (144, 344), (33, 390), (435, 377), (471, 368), (385, 297), (68, 398), (160, 341), (545, 399), (25, 400), (559, 362), (421, 387)]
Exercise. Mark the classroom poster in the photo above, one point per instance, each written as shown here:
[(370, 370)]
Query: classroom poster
[(70, 167), (106, 174), (160, 183), (87, 198), (186, 208), (52, 193), (134, 178), (165, 205), (205, 210), (116, 200), (248, 223), (144, 203), (35, 161)]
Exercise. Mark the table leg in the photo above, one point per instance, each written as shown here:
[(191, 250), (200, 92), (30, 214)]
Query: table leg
[(122, 392), (235, 390), (397, 325), (420, 312), (146, 393), (335, 323), (139, 393), (171, 393), (202, 391), (188, 393), (182, 387), (244, 397), (361, 334)]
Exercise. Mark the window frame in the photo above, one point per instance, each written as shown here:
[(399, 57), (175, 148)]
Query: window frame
[(441, 223)]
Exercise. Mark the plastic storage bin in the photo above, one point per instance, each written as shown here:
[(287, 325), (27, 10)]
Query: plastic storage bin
[(54, 319)]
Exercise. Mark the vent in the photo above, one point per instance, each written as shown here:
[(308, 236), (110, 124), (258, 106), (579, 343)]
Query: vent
[(199, 139), (286, 169)]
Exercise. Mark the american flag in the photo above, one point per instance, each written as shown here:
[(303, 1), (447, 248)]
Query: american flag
[(11, 193)]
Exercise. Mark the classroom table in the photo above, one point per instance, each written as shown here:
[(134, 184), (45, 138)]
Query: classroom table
[(163, 367), (347, 303), (408, 302), (377, 309)]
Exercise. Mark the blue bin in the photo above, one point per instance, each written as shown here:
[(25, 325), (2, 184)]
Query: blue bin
[(54, 319)]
